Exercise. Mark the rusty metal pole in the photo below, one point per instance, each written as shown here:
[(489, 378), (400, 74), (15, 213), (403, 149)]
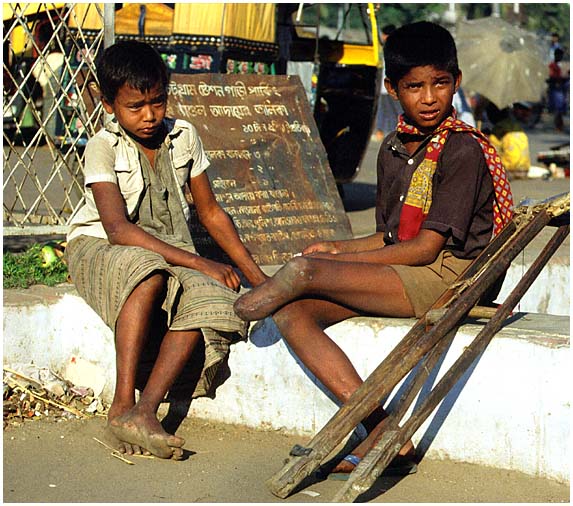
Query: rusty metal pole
[(108, 35), (108, 24)]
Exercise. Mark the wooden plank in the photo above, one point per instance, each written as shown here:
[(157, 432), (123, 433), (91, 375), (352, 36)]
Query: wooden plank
[(412, 348), (374, 463), (433, 315), (413, 388)]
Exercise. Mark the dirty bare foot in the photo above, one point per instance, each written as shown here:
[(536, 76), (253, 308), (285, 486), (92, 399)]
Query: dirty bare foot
[(121, 446), (267, 297), (144, 431), (110, 438)]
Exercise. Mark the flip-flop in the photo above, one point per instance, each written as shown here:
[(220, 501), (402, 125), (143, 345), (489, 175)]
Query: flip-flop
[(400, 466)]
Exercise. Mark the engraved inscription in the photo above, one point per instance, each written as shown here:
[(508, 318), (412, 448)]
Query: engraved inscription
[(268, 168)]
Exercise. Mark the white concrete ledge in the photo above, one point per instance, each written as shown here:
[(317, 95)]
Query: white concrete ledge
[(511, 410), (549, 293)]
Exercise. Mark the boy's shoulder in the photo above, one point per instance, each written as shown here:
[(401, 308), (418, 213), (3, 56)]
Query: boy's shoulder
[(390, 140), (463, 139), (105, 136), (462, 146), (183, 135)]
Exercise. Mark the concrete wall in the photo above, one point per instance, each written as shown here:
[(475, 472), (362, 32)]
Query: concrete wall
[(549, 293), (511, 410)]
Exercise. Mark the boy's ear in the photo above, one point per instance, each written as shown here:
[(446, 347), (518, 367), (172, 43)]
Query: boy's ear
[(458, 82), (107, 106), (390, 89)]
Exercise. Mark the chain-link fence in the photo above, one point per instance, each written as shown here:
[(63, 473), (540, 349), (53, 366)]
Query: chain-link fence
[(49, 111)]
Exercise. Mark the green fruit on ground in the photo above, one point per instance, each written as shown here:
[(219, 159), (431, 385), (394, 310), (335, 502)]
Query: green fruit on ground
[(49, 256)]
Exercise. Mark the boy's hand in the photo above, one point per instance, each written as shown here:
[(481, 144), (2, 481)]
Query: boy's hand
[(321, 247), (223, 273)]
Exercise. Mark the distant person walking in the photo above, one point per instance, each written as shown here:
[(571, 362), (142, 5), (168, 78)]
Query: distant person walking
[(555, 44), (558, 88)]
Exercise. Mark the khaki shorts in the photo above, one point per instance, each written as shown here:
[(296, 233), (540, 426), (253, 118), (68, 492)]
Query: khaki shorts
[(424, 284)]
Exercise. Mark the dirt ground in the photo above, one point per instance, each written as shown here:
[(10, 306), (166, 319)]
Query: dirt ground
[(60, 462)]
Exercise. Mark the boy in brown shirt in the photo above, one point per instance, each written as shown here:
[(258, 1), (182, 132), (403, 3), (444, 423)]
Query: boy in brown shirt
[(441, 194)]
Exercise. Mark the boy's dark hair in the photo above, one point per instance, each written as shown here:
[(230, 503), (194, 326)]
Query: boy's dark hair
[(418, 45), (130, 62), (388, 29)]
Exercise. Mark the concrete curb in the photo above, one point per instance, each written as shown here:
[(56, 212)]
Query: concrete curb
[(509, 411)]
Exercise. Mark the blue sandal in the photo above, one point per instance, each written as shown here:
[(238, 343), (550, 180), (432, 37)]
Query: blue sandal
[(399, 466)]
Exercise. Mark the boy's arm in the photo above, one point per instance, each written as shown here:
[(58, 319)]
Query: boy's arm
[(374, 241), (221, 228), (422, 250), (120, 230)]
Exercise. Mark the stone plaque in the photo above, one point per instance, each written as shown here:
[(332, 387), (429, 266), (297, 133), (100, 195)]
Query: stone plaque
[(269, 169)]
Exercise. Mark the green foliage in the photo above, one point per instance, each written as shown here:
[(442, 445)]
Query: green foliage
[(334, 15), (22, 270), (548, 18), (542, 18), (404, 13)]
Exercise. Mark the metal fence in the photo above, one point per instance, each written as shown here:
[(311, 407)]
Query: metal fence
[(49, 111)]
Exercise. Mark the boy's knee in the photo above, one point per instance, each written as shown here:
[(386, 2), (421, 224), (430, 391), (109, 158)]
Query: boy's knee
[(156, 282), (284, 317), (292, 316)]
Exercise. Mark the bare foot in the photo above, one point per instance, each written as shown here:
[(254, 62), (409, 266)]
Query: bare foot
[(121, 446), (110, 438), (145, 431), (267, 297)]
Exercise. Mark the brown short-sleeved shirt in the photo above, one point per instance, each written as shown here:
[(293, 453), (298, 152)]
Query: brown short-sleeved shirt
[(462, 192)]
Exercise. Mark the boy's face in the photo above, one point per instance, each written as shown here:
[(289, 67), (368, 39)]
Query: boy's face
[(139, 113), (425, 94)]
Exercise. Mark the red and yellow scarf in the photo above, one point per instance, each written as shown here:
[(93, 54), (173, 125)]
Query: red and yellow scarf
[(419, 198)]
